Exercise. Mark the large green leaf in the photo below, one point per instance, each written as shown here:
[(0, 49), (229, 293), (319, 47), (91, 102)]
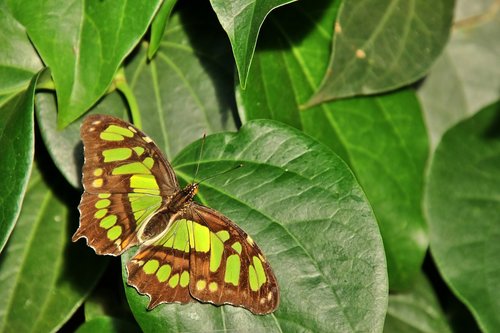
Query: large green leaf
[(17, 142), (382, 138), (462, 203), (44, 277), (83, 43), (242, 19), (187, 89), (18, 59), (383, 45), (64, 145), (303, 207), (466, 77), (416, 311)]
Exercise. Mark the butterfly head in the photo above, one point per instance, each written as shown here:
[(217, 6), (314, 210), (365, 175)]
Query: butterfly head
[(190, 190)]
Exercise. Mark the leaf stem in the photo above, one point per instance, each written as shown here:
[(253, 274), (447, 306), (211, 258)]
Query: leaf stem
[(121, 85)]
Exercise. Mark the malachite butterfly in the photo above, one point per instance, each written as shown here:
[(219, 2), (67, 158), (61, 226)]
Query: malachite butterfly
[(186, 251)]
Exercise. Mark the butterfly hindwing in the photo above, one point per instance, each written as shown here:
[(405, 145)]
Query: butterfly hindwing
[(106, 223), (227, 266), (125, 179), (161, 268), (224, 264)]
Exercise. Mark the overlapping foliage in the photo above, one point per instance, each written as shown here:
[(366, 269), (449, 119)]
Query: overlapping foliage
[(367, 185)]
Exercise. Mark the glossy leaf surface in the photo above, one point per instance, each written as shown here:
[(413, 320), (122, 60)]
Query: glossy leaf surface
[(17, 140), (382, 138), (242, 19), (83, 43), (303, 207)]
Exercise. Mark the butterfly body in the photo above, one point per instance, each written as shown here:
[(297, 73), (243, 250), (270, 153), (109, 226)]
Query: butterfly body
[(186, 251)]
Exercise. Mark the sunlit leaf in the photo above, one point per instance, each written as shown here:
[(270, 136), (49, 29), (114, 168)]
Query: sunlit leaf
[(242, 19), (382, 138), (83, 43), (303, 207), (17, 141)]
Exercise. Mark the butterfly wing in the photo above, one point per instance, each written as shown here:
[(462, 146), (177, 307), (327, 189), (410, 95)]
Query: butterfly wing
[(161, 268), (227, 266), (207, 257), (125, 179)]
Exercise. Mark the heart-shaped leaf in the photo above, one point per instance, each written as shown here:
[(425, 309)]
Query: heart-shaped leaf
[(303, 207), (462, 202), (382, 138), (383, 45), (242, 19), (44, 278), (83, 43), (17, 141)]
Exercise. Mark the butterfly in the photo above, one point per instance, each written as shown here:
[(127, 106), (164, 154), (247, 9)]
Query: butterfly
[(186, 251)]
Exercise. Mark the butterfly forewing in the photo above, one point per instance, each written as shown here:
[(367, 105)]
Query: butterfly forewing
[(227, 266), (125, 179)]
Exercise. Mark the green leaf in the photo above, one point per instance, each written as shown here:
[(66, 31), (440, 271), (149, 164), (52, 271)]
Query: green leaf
[(187, 89), (107, 325), (44, 277), (382, 138), (18, 59), (83, 43), (242, 19), (303, 207), (158, 26), (64, 145), (17, 142), (416, 311), (383, 45), (458, 86), (462, 203)]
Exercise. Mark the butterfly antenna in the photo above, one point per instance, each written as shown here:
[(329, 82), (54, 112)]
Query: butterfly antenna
[(221, 173), (199, 156)]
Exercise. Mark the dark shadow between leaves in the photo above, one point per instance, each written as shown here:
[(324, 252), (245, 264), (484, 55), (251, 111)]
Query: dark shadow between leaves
[(213, 50), (297, 19), (80, 263), (492, 131), (455, 311)]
